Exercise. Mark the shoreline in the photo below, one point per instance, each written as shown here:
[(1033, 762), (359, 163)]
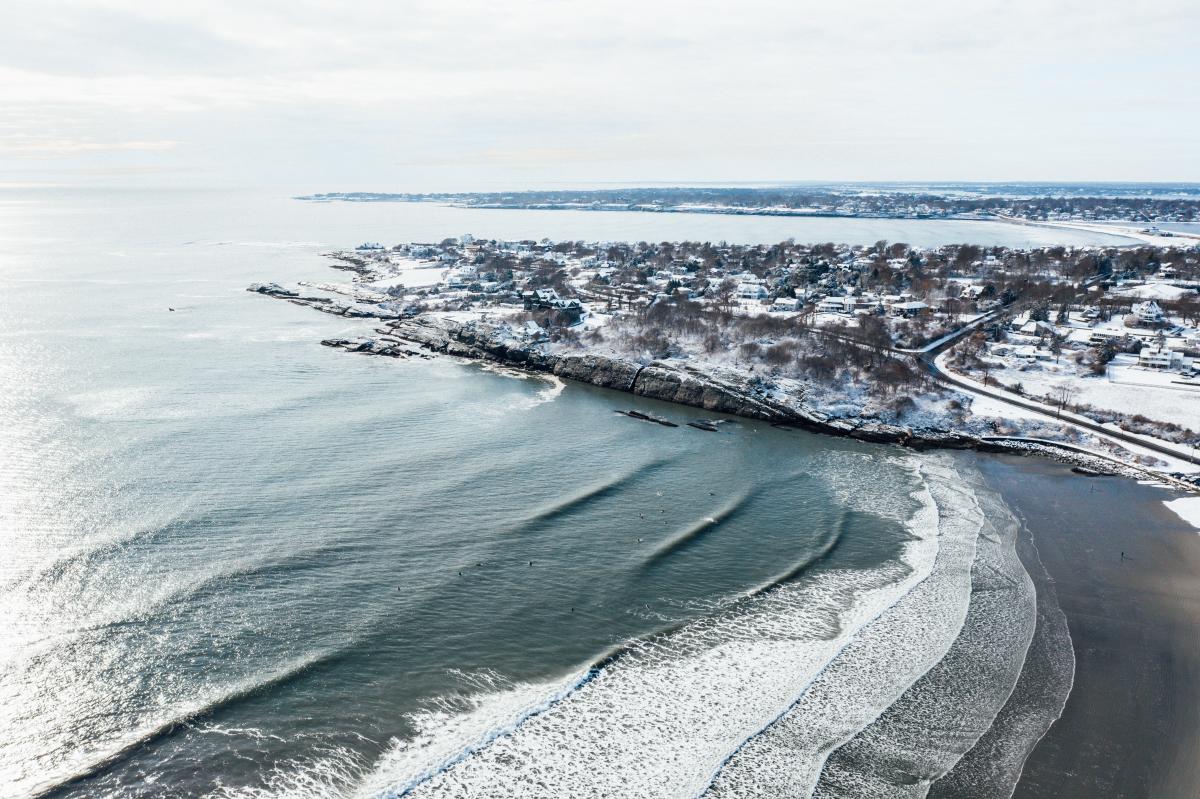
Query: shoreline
[(726, 392), (1131, 721), (1132, 234)]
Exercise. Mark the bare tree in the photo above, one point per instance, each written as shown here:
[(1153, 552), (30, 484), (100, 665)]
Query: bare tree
[(1062, 395)]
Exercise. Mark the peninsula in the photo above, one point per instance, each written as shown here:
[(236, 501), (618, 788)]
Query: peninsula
[(959, 346)]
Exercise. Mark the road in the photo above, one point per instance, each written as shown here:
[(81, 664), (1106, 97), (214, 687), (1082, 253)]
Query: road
[(928, 357)]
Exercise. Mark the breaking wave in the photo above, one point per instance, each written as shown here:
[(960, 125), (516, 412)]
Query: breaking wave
[(661, 716), (957, 700), (750, 700), (100, 761), (696, 530), (786, 757), (545, 515)]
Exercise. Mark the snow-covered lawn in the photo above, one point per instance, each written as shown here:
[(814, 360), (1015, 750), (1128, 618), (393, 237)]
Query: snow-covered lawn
[(1152, 291), (411, 273), (1126, 389)]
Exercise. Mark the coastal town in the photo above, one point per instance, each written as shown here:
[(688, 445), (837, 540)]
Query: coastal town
[(1142, 207), (885, 340)]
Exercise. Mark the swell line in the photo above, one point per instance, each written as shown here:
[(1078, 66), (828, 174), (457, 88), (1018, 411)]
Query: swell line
[(156, 732), (823, 553), (90, 553), (782, 579), (597, 666), (593, 492), (694, 532), (312, 559)]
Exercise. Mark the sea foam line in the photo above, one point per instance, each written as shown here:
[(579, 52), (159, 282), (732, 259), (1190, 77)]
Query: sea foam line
[(959, 698), (656, 706), (150, 733), (786, 756), (572, 685)]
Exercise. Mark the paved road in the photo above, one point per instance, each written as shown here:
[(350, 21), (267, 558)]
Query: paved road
[(929, 359)]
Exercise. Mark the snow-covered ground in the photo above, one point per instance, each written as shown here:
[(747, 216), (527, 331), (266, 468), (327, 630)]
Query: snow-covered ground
[(1188, 509), (1151, 291), (1023, 421), (1127, 388), (411, 273)]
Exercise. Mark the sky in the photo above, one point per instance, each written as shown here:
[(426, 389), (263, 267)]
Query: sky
[(459, 95)]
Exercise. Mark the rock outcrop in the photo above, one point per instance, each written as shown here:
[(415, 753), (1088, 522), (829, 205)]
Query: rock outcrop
[(718, 390), (326, 304)]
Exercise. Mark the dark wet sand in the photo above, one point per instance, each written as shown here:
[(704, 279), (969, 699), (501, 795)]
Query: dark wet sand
[(1131, 725)]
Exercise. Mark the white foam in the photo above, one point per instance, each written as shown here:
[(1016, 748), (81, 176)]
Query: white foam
[(554, 386), (875, 668), (662, 718), (956, 702)]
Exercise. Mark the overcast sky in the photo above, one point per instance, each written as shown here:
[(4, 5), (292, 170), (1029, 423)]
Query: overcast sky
[(400, 95)]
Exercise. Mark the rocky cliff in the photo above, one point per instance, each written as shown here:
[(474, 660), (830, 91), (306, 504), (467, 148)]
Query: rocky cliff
[(717, 390)]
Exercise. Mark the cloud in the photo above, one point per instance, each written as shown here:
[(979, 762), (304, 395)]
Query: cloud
[(654, 89), (47, 147)]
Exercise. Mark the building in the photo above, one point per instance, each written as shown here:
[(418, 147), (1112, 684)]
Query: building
[(1099, 338), (548, 300), (835, 305), (751, 291), (909, 309), (1157, 357), (1148, 313)]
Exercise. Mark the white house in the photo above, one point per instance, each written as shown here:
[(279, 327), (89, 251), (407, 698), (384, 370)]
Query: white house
[(1148, 313), (785, 305), (1160, 358), (751, 291), (1101, 337), (835, 305)]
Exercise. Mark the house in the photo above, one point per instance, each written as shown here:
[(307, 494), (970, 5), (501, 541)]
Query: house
[(1030, 353), (785, 305), (1026, 352), (531, 331), (1037, 328), (542, 298), (1156, 357), (835, 305), (909, 309), (548, 299), (751, 291), (1148, 313), (1101, 337)]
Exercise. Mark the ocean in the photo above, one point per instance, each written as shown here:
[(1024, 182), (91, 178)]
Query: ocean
[(238, 563)]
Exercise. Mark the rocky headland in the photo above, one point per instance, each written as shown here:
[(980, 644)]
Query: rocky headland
[(713, 389)]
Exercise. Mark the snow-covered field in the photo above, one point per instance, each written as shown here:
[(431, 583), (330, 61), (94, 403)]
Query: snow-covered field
[(1152, 291), (1126, 389), (412, 273)]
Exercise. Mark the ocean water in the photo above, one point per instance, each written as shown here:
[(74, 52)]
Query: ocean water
[(237, 563)]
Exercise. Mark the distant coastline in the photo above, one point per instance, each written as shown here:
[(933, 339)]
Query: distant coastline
[(1135, 205)]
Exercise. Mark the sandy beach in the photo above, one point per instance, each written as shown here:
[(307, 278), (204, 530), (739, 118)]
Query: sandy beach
[(1131, 725)]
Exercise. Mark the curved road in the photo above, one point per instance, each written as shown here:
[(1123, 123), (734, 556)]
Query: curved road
[(928, 357)]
